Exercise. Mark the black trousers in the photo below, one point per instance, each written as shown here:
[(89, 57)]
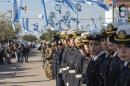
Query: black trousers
[(1, 60), (59, 81)]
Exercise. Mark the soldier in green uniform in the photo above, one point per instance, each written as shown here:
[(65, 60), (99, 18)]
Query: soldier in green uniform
[(43, 51)]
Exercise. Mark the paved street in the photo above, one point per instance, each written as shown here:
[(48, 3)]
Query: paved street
[(25, 74)]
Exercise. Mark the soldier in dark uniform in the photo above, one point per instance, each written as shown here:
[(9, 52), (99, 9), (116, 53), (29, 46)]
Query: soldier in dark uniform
[(104, 40), (121, 38), (94, 73), (110, 67), (67, 58), (71, 59), (65, 55), (112, 63), (59, 54), (64, 64), (75, 60), (80, 55), (56, 43), (102, 68), (87, 58), (57, 59)]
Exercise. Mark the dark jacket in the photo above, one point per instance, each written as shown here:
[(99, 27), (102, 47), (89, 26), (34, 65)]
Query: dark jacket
[(95, 71)]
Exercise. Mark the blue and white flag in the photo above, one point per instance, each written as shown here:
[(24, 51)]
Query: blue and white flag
[(44, 12), (16, 10), (100, 3), (69, 3), (84, 1), (35, 27), (81, 1), (25, 24), (60, 1)]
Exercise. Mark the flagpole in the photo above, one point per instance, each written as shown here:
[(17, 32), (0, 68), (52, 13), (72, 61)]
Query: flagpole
[(77, 19), (113, 11), (45, 12), (77, 16)]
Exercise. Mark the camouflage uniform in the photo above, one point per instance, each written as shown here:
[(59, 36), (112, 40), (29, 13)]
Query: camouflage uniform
[(48, 63)]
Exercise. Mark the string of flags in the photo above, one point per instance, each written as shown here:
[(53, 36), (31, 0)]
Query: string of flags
[(74, 5)]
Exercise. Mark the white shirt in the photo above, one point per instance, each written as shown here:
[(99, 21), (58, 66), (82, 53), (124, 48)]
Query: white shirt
[(96, 57), (126, 62), (114, 54)]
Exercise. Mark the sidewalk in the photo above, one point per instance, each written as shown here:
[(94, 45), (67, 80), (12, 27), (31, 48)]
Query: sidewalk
[(25, 74)]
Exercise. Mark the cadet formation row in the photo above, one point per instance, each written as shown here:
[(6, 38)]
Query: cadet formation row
[(79, 58)]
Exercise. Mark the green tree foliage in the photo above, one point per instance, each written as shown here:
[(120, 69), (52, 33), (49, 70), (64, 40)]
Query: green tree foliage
[(30, 38), (6, 29), (48, 35)]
